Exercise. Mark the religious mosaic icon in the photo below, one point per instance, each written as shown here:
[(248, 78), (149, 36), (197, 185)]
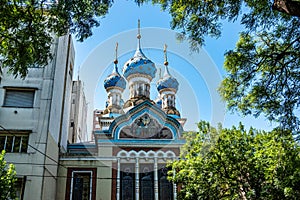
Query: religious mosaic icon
[(146, 127)]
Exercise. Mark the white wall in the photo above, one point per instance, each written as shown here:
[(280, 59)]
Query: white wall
[(44, 119)]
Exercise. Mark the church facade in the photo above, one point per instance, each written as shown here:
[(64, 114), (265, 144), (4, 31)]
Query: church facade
[(134, 140)]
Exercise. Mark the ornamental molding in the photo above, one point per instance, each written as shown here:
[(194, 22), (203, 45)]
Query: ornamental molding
[(139, 110), (139, 75), (146, 155)]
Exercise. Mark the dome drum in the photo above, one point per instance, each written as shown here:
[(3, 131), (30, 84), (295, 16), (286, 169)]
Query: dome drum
[(139, 89), (138, 78)]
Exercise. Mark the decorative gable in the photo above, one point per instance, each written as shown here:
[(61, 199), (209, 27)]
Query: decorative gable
[(145, 121)]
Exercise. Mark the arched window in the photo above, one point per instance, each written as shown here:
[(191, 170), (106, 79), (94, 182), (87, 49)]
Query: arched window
[(146, 182), (164, 185), (127, 182)]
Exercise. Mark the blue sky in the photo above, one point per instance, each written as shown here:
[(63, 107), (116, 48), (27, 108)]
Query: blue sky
[(199, 74)]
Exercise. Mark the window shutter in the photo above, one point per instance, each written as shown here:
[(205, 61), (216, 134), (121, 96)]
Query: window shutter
[(19, 98)]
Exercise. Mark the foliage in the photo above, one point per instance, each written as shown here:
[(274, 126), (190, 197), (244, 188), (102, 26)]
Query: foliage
[(7, 179), (263, 75), (198, 19), (238, 164), (263, 69), (27, 28)]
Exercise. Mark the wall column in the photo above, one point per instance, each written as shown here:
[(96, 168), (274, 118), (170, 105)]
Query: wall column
[(155, 179), (137, 180), (174, 188), (118, 180)]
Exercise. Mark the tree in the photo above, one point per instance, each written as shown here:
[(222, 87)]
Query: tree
[(238, 164), (263, 69), (7, 179), (263, 75), (27, 28)]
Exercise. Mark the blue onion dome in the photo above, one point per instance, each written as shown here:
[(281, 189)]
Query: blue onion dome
[(139, 64), (115, 79), (167, 81)]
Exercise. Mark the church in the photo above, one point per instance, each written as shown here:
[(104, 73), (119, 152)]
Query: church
[(43, 130), (134, 140)]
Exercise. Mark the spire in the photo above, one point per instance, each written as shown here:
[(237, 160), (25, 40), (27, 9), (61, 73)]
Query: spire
[(139, 63), (115, 79), (116, 59), (139, 33), (166, 63), (138, 52), (165, 53)]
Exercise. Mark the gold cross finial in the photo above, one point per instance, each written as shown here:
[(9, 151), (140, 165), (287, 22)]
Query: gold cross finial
[(139, 30), (165, 52), (116, 60)]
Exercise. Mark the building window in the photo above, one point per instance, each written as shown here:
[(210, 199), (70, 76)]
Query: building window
[(81, 184), (127, 182), (164, 185), (19, 97), (14, 142), (146, 182), (150, 183)]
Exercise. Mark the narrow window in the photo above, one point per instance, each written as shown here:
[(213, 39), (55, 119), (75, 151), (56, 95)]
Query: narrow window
[(164, 185), (81, 185), (127, 182), (146, 182)]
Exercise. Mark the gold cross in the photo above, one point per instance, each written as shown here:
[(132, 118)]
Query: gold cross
[(139, 30), (165, 52), (117, 51), (116, 60)]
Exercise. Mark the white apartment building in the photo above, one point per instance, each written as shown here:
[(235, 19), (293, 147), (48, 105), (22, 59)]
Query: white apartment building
[(35, 118)]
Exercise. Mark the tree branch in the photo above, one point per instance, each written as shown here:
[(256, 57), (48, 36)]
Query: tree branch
[(290, 7)]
